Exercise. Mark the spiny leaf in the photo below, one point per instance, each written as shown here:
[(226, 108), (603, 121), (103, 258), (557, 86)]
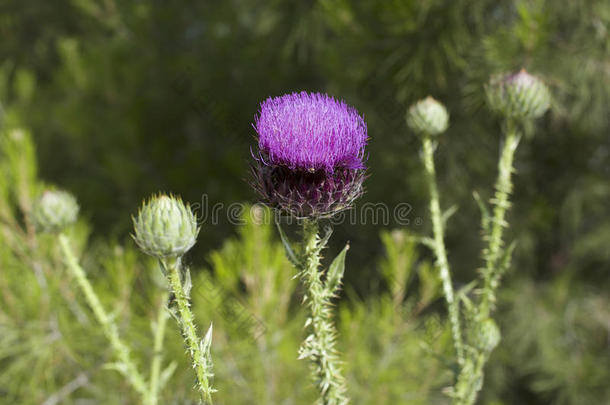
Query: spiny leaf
[(206, 342), (464, 291), (485, 217), (289, 252), (335, 271), (505, 262), (328, 232), (173, 311), (188, 283)]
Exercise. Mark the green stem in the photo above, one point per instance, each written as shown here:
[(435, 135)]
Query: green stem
[(470, 380), (200, 361), (319, 347), (155, 370), (501, 204), (109, 328), (439, 248)]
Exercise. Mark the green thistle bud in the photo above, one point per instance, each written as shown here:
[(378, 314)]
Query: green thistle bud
[(165, 227), (428, 117), (520, 95), (488, 336), (54, 210)]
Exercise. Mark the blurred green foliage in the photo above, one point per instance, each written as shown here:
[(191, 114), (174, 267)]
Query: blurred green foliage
[(123, 99)]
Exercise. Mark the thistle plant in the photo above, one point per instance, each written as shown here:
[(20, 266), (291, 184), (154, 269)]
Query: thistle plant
[(53, 212), (518, 99), (166, 228), (429, 118), (310, 165)]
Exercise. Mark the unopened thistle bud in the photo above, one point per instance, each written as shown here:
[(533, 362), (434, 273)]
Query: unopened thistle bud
[(311, 155), (520, 95), (165, 227), (488, 336), (428, 117), (54, 210)]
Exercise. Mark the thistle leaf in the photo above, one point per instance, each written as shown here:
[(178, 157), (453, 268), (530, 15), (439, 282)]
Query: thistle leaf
[(464, 291), (328, 232), (506, 261), (335, 272), (485, 217), (188, 283), (173, 312), (206, 342), (289, 252)]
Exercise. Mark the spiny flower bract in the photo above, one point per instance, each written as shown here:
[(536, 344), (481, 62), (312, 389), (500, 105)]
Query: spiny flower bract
[(310, 161), (165, 227)]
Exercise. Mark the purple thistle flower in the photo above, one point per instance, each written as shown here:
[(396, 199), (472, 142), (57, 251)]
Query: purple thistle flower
[(311, 131), (311, 154)]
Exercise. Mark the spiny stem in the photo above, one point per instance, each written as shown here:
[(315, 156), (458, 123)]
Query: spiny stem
[(501, 204), (187, 324), (470, 380), (155, 369), (319, 347), (439, 248), (109, 328)]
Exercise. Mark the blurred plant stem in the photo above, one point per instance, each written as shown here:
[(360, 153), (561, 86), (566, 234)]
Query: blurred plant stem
[(501, 203), (319, 346), (199, 351), (159, 331), (470, 379), (439, 247), (126, 365), (497, 259)]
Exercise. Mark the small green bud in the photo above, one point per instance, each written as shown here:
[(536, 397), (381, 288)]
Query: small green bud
[(428, 117), (165, 227), (520, 95), (54, 210), (488, 336)]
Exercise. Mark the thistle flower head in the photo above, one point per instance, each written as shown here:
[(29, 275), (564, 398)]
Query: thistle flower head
[(165, 227), (520, 95), (428, 117), (311, 154), (54, 210), (311, 131)]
